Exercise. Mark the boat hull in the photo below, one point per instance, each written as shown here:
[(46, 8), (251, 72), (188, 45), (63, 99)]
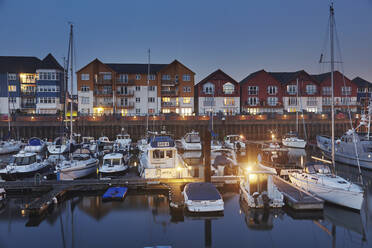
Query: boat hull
[(294, 144), (25, 172), (74, 173)]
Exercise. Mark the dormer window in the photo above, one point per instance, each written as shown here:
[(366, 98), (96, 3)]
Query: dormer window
[(208, 88), (311, 89), (292, 89), (228, 88)]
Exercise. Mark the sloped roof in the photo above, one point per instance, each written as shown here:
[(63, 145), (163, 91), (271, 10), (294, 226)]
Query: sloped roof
[(219, 71), (17, 64), (360, 82), (321, 77), (135, 68), (49, 62), (286, 77), (250, 76)]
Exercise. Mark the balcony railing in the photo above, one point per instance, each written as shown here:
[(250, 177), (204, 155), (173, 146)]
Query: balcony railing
[(169, 104), (129, 105), (104, 105), (103, 92), (209, 103), (129, 93), (125, 81), (102, 80), (169, 92), (28, 93), (169, 82), (28, 105)]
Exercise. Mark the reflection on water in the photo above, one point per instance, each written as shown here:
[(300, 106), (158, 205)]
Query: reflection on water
[(144, 219)]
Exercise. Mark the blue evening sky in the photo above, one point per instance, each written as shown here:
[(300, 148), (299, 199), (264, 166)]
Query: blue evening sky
[(239, 37)]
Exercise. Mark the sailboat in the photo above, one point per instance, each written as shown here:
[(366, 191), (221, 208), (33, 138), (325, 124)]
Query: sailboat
[(291, 139), (318, 178), (81, 162)]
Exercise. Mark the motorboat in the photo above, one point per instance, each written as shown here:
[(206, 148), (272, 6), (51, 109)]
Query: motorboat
[(60, 145), (105, 145), (24, 164), (216, 144), (35, 145), (114, 163), (224, 162), (87, 140), (124, 140), (191, 142), (292, 140), (161, 159), (81, 164), (318, 179), (10, 146), (202, 197), (235, 142), (257, 188)]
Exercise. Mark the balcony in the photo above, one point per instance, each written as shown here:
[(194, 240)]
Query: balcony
[(28, 93), (129, 93), (102, 80), (209, 103), (169, 82), (103, 105), (28, 105), (129, 105), (169, 92), (125, 81), (169, 104), (103, 93)]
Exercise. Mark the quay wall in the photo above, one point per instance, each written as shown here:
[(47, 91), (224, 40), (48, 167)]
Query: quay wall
[(257, 128)]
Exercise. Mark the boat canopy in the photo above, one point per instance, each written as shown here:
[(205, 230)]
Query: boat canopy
[(35, 142), (192, 137), (321, 168), (202, 192), (162, 141)]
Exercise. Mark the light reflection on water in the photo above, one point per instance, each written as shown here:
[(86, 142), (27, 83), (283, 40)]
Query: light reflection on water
[(144, 219)]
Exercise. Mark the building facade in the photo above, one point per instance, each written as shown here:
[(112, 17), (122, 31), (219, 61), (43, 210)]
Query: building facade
[(30, 85), (128, 89), (364, 92), (217, 93)]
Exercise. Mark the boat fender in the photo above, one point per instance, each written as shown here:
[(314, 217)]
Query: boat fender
[(55, 201)]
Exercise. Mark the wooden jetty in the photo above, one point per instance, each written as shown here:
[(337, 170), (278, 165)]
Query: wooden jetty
[(297, 198)]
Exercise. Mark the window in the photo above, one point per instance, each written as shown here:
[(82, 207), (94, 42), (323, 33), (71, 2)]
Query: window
[(252, 90), (272, 101), (187, 100), (138, 88), (138, 77), (176, 78), (12, 100), (138, 99), (152, 88), (311, 101), (138, 111), (345, 100), (311, 89), (292, 89), (12, 88), (151, 77), (228, 88), (362, 90), (292, 101), (228, 101), (208, 88), (272, 90), (327, 91), (166, 99), (252, 101), (186, 77), (151, 111), (165, 77), (123, 78), (84, 77), (209, 101), (186, 111), (346, 91), (85, 100), (47, 100), (326, 101), (186, 89), (151, 99), (107, 76), (84, 88), (12, 77), (165, 111)]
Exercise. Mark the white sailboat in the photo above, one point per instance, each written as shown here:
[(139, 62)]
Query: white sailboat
[(317, 178)]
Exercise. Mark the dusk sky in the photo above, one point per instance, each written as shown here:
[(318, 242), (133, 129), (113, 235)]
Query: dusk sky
[(239, 37)]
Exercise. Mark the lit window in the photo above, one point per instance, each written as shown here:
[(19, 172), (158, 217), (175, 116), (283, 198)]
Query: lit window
[(85, 77), (228, 101), (187, 100), (166, 99), (12, 88)]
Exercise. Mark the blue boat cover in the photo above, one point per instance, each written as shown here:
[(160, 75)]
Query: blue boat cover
[(115, 193), (202, 192), (162, 141), (35, 142)]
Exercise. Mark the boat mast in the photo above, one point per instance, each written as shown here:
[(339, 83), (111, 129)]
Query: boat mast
[(7, 83), (331, 10), (148, 89), (297, 107), (71, 59)]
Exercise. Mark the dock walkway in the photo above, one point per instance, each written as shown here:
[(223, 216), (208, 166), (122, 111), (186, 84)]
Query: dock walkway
[(297, 198)]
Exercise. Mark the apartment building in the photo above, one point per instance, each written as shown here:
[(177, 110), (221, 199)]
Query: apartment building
[(128, 89), (364, 91), (30, 85), (217, 93)]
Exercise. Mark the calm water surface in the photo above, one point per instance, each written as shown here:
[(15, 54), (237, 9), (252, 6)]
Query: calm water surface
[(145, 220)]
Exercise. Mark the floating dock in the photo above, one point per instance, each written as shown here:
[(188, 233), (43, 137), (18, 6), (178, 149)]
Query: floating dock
[(115, 193), (297, 198)]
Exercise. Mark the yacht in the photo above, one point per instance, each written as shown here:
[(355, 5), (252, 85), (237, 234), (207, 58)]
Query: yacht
[(60, 145), (105, 144), (224, 162), (124, 140), (35, 145), (114, 163), (318, 179), (24, 164), (216, 144), (291, 140), (191, 142), (202, 197), (234, 142), (10, 146), (81, 164), (161, 159), (257, 188)]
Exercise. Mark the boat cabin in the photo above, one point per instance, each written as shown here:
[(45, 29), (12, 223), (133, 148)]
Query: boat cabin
[(23, 158), (321, 168), (87, 140), (123, 137), (81, 154), (234, 138), (113, 159), (162, 152), (192, 137)]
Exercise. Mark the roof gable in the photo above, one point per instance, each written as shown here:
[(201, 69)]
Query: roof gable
[(136, 68), (179, 63), (18, 64), (49, 62), (217, 72), (360, 82)]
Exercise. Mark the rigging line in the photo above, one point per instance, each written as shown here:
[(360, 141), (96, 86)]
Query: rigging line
[(348, 99)]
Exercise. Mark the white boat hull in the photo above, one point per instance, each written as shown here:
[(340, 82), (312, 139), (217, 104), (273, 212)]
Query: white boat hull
[(204, 206), (72, 173), (10, 148), (294, 143), (58, 149)]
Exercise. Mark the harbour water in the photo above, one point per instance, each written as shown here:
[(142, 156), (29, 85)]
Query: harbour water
[(144, 219)]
